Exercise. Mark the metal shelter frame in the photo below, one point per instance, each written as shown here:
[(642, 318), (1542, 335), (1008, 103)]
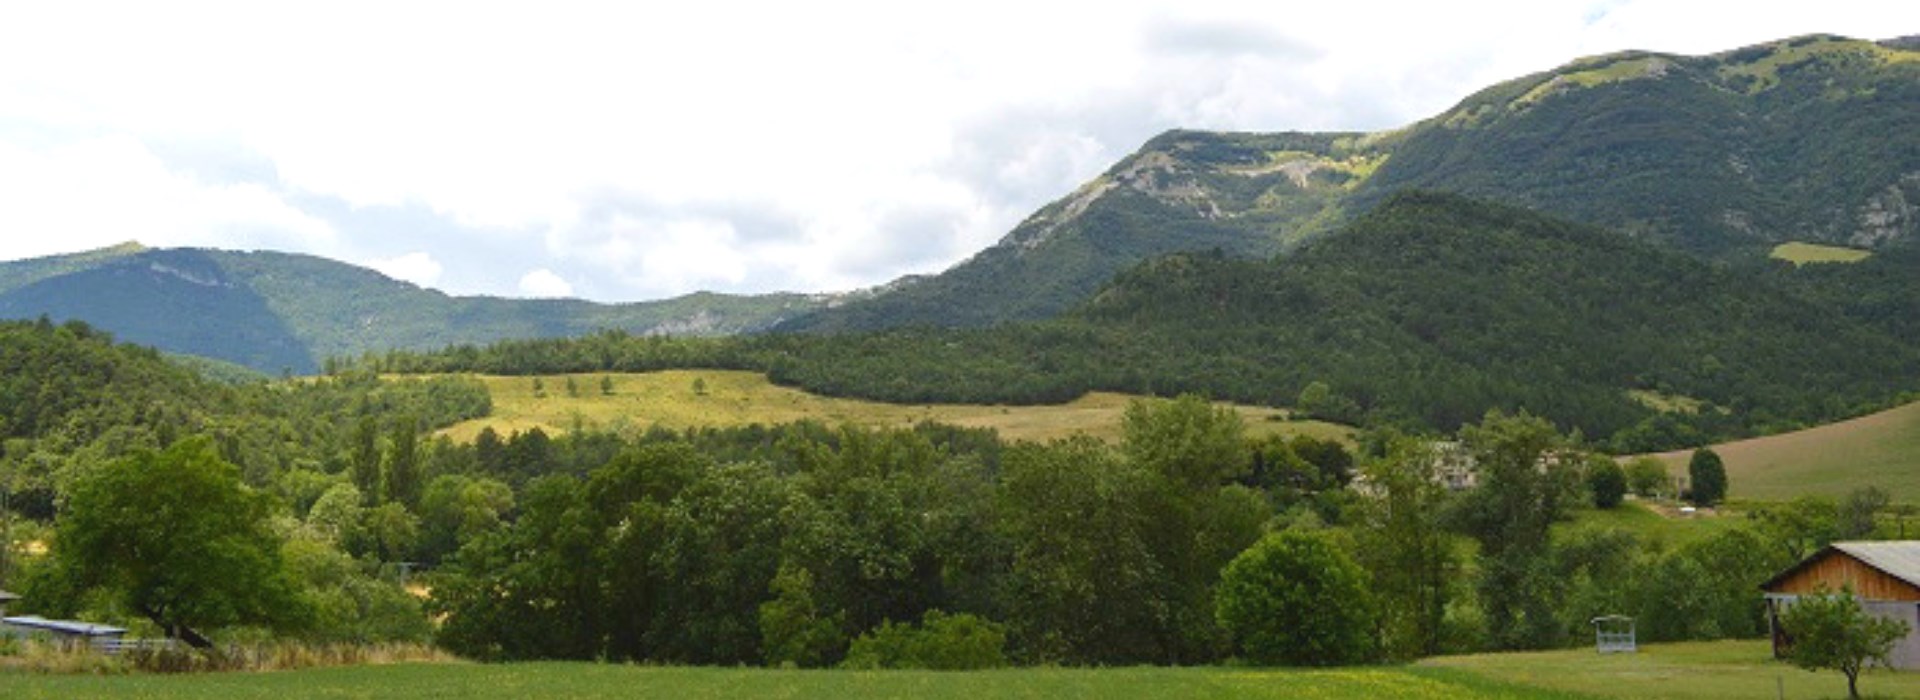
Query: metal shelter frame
[(1614, 634)]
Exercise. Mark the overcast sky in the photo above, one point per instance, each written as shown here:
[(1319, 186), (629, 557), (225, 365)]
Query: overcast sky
[(635, 150)]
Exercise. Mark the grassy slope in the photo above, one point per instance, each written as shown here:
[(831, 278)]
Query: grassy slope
[(741, 398), (1803, 253), (1882, 450), (581, 680), (1696, 670)]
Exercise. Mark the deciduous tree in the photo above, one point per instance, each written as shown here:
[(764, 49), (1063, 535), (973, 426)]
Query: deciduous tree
[(1831, 631), (179, 539)]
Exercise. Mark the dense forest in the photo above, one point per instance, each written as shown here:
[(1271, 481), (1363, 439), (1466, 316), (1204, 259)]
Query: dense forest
[(1422, 315)]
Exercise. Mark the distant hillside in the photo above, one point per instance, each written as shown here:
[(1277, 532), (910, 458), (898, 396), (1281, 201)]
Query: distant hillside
[(1813, 139), (279, 312), (1424, 313), (1241, 194)]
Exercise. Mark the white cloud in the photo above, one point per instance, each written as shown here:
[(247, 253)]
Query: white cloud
[(96, 191), (417, 267), (544, 284), (849, 142)]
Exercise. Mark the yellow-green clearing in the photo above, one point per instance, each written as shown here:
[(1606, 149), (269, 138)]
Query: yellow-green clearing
[(1881, 450), (1803, 253), (682, 399), (1727, 670)]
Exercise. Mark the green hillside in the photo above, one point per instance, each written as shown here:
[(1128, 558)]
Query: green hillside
[(1813, 139), (278, 312), (1424, 313)]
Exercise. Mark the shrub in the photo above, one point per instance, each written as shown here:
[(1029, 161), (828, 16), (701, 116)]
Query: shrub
[(1608, 483), (940, 642), (1647, 476), (1297, 598), (1707, 477)]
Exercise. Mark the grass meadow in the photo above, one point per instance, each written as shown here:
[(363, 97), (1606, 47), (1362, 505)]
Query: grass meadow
[(1803, 253), (587, 680), (1743, 669), (1688, 671), (672, 400)]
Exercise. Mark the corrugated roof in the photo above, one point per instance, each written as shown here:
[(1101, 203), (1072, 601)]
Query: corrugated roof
[(65, 626), (1900, 560)]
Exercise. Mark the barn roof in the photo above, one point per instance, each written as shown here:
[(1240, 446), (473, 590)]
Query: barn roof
[(1899, 559)]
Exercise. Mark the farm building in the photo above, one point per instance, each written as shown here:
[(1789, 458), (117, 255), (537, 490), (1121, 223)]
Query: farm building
[(66, 632), (1884, 576)]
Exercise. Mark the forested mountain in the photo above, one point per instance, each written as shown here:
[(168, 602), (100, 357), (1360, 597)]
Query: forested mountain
[(279, 312), (1811, 139), (1425, 312)]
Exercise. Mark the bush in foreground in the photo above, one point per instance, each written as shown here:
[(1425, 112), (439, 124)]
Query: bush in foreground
[(1297, 598)]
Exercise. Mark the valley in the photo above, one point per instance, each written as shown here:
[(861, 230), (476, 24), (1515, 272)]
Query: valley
[(1241, 402)]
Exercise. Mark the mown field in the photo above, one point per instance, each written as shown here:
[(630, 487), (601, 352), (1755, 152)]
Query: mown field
[(672, 400), (586, 680), (1727, 670), (1881, 450)]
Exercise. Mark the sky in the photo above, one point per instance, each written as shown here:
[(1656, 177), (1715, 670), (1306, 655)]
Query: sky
[(641, 150)]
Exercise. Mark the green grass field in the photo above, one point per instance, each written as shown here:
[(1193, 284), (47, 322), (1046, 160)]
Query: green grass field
[(585, 680), (669, 399), (1690, 671), (1803, 253), (1741, 669), (1881, 450)]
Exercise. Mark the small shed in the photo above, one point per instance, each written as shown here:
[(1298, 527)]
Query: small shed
[(66, 632), (6, 598), (1884, 576)]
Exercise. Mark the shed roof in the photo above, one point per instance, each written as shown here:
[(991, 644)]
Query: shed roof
[(5, 596), (1899, 559), (87, 629)]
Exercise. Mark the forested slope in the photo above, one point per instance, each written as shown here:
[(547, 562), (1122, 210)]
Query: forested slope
[(1426, 312)]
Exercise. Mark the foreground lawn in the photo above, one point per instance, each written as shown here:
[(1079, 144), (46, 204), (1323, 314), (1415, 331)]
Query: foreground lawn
[(1688, 671), (728, 398), (580, 680)]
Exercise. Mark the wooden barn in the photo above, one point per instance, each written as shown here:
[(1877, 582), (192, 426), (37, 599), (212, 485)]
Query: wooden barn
[(1885, 576)]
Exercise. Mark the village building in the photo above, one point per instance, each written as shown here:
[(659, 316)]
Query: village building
[(1884, 577)]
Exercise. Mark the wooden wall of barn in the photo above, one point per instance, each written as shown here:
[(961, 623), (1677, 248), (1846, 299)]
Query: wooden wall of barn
[(1837, 569)]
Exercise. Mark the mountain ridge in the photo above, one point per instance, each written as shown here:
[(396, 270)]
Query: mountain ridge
[(1811, 138), (289, 312)]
